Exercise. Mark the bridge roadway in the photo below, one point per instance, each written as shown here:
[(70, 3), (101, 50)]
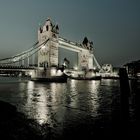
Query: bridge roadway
[(17, 68)]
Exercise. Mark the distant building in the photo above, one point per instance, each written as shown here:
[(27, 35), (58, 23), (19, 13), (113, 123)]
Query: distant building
[(133, 68), (107, 70)]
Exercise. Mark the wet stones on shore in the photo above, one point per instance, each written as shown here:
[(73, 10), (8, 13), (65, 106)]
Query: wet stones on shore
[(15, 125)]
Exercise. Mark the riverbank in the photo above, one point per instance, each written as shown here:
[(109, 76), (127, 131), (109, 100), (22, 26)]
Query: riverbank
[(15, 125)]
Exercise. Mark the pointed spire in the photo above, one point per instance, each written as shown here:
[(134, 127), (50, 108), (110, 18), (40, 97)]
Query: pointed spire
[(85, 41), (57, 27)]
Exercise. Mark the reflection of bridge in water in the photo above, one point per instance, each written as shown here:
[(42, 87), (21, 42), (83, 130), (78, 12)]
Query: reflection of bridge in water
[(49, 52)]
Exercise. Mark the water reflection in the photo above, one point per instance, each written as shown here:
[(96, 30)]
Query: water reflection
[(43, 101), (72, 95), (56, 93), (36, 103), (61, 105), (94, 101), (51, 103)]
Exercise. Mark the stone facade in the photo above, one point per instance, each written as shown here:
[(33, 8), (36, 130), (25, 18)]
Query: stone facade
[(48, 53)]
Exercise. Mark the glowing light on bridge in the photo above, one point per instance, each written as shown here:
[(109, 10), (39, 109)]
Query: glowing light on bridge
[(53, 72), (75, 68), (30, 73), (59, 73), (43, 47)]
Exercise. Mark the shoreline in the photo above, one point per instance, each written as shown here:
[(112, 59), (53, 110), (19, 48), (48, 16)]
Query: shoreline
[(15, 125)]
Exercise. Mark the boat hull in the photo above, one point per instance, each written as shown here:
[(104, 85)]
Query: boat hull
[(86, 78), (111, 77), (58, 79)]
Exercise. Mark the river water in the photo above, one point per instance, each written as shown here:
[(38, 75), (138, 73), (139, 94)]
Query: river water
[(64, 106)]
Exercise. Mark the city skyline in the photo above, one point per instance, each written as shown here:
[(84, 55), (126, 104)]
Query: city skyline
[(113, 26)]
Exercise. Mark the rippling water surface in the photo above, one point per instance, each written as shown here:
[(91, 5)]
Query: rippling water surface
[(63, 105)]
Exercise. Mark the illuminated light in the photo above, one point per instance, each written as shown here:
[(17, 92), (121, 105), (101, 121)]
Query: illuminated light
[(30, 73), (73, 82), (76, 68), (59, 73), (20, 74), (93, 89), (53, 72), (30, 92), (64, 64), (41, 111), (43, 47), (54, 90), (73, 74), (94, 68), (93, 85), (30, 85)]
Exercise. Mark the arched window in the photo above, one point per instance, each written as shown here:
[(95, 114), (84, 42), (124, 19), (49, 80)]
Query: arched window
[(40, 30), (47, 28)]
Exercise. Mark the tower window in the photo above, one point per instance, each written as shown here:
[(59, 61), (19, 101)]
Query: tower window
[(41, 30), (47, 28)]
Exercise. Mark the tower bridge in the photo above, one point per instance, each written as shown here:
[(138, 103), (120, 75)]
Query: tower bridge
[(51, 50)]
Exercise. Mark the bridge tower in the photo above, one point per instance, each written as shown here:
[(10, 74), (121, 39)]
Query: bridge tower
[(86, 54), (48, 54)]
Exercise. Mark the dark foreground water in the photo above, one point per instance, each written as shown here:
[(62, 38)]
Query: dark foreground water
[(66, 108)]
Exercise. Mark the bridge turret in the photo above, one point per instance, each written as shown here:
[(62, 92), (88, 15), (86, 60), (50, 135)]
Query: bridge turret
[(87, 54), (87, 44), (45, 31), (49, 52)]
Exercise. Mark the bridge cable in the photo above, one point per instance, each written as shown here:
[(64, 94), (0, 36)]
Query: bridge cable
[(25, 52)]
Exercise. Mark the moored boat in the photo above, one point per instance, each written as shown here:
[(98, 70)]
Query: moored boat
[(111, 77), (81, 75), (58, 79), (49, 75), (86, 78)]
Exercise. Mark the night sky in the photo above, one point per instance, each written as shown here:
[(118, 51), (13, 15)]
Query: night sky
[(112, 25)]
